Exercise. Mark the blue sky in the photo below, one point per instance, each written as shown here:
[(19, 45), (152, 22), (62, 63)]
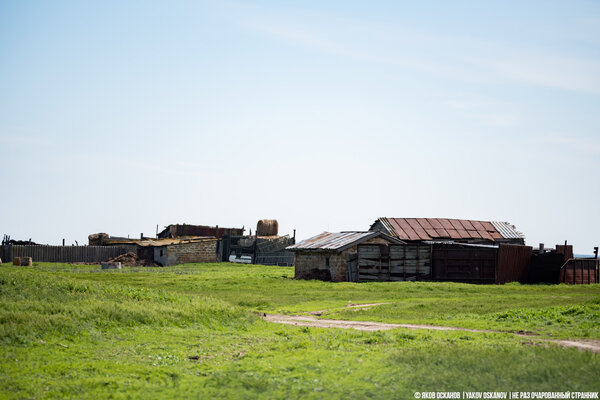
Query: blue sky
[(118, 116)]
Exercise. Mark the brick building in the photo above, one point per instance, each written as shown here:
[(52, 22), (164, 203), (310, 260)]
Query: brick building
[(192, 251)]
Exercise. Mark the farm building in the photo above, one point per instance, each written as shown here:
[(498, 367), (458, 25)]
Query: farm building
[(184, 250), (374, 255), (444, 229), (170, 251), (352, 256)]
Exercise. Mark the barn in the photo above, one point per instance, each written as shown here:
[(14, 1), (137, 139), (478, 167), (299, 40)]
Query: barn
[(465, 250), (360, 256), (413, 249)]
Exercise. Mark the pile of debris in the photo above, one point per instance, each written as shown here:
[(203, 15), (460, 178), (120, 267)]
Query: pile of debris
[(132, 260), (6, 240), (96, 239)]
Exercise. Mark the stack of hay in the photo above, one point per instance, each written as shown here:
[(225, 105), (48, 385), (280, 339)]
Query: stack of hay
[(267, 227), (96, 239), (23, 261)]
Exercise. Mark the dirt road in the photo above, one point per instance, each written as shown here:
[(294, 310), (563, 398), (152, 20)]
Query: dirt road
[(312, 321)]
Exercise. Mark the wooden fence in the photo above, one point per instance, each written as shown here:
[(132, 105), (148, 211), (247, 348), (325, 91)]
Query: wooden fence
[(68, 254), (281, 258)]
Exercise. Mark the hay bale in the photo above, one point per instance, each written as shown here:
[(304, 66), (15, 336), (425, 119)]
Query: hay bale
[(267, 227), (17, 261), (96, 239), (26, 261), (111, 265)]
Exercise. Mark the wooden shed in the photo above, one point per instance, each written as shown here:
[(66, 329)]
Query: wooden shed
[(357, 256)]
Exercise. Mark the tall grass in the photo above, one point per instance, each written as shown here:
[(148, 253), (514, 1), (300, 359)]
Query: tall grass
[(192, 332), (36, 305)]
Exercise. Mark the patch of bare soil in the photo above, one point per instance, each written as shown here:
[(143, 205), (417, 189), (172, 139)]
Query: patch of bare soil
[(355, 307), (591, 345), (306, 320)]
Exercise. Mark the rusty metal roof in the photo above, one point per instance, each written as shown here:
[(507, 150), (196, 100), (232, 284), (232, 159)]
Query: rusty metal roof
[(444, 228), (338, 241)]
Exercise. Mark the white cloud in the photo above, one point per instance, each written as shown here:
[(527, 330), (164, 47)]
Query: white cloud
[(463, 58)]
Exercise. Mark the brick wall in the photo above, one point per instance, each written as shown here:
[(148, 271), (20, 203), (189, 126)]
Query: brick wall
[(204, 251), (338, 266), (309, 265)]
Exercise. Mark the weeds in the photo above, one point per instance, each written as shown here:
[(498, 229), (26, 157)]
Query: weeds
[(192, 331)]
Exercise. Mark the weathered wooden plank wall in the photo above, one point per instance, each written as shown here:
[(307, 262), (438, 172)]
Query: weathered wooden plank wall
[(394, 263), (464, 264), (69, 254)]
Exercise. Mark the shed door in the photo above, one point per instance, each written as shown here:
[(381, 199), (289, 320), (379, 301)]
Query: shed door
[(352, 263)]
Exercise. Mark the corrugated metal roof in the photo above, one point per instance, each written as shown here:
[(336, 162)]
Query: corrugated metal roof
[(507, 230), (338, 241), (444, 228), (332, 240)]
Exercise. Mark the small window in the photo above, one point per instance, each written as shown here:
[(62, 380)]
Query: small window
[(161, 252), (327, 262)]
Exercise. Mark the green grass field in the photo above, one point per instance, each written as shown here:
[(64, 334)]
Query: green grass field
[(193, 331)]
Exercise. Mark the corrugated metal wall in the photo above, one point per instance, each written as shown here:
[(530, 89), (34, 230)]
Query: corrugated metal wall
[(70, 254), (580, 271), (513, 263)]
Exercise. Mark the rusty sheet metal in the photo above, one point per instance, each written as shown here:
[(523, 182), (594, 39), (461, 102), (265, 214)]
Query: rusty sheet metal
[(580, 271), (444, 228), (566, 250), (513, 263)]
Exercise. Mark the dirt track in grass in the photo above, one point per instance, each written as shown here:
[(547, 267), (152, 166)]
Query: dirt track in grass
[(312, 321)]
